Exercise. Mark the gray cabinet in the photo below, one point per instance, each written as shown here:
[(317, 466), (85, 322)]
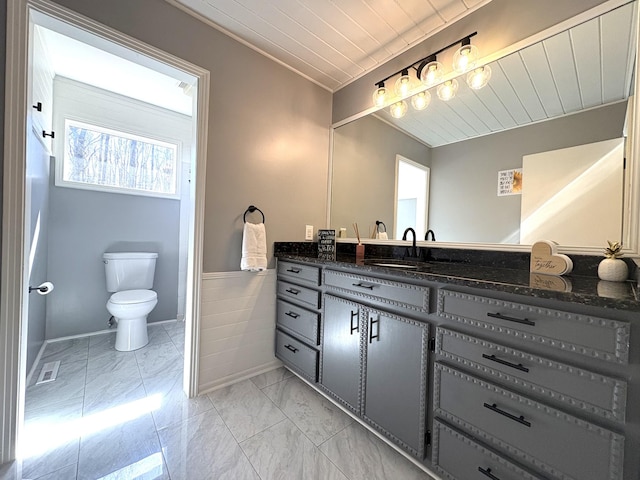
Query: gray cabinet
[(395, 380), (341, 365)]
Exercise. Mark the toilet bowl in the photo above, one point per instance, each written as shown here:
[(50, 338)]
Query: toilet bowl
[(130, 309)]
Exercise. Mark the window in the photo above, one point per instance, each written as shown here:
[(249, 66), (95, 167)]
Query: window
[(98, 158)]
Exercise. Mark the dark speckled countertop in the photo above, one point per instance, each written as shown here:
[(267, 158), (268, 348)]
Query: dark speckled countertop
[(509, 276)]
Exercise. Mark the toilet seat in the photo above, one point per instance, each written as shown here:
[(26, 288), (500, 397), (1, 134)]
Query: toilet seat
[(130, 297)]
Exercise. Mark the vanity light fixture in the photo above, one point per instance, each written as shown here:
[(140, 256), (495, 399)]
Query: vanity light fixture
[(380, 95), (430, 73), (466, 56), (421, 100), (447, 90), (479, 77), (399, 109)]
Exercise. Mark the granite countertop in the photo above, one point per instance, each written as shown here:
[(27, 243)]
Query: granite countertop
[(582, 289)]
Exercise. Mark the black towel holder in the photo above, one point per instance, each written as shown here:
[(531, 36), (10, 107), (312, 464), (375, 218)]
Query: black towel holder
[(251, 209)]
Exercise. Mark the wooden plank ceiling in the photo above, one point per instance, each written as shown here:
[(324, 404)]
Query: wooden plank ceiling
[(332, 42)]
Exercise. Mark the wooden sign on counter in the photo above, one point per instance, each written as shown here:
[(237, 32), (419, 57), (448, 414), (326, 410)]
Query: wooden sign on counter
[(545, 259)]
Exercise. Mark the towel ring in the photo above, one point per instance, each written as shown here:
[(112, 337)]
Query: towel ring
[(378, 223), (251, 209)]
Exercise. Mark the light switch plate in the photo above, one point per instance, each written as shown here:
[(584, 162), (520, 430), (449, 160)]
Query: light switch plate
[(308, 233)]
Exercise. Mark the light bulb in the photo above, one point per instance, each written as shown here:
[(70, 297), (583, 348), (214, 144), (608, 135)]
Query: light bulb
[(380, 96), (431, 73), (465, 58), (479, 77), (447, 90), (399, 109), (421, 100), (404, 85)]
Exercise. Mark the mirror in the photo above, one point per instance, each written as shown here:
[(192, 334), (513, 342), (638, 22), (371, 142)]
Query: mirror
[(570, 90)]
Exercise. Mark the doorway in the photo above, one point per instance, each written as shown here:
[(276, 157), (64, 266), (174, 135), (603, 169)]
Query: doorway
[(17, 233), (412, 196)]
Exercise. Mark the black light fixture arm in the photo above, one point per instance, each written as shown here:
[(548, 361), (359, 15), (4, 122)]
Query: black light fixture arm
[(429, 58)]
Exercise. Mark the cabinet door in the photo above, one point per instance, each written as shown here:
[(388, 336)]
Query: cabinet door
[(341, 369), (396, 378)]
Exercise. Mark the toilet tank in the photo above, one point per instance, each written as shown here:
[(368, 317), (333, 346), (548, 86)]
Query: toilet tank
[(129, 270)]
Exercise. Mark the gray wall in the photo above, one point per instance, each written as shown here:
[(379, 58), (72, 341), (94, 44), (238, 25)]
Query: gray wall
[(499, 24), (268, 128), (364, 172), (37, 193), (83, 225), (463, 204)]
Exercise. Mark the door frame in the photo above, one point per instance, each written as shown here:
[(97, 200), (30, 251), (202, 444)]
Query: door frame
[(12, 272)]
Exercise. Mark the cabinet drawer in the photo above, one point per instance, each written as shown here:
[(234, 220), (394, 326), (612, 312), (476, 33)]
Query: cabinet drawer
[(458, 457), (305, 296), (301, 273), (582, 334), (299, 320), (296, 354), (381, 292), (594, 393), (532, 433)]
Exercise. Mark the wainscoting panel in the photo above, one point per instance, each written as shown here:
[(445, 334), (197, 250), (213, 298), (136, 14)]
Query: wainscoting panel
[(237, 327)]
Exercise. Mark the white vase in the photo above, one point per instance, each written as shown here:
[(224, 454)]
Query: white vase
[(613, 270)]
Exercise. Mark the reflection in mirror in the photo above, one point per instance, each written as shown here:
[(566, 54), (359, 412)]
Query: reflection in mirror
[(568, 90)]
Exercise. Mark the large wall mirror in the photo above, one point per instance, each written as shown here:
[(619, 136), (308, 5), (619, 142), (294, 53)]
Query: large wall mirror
[(558, 112)]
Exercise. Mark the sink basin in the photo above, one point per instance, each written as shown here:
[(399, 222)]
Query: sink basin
[(393, 265)]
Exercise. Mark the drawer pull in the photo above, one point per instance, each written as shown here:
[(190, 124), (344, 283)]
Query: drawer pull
[(511, 319), (292, 314), (493, 358), (363, 285), (519, 419), (292, 291), (371, 335), (487, 473), (289, 347), (357, 327), (294, 270)]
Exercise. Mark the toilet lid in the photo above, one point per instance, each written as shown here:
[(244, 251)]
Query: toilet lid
[(133, 296)]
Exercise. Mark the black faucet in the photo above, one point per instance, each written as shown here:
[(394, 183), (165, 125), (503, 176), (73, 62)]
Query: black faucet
[(414, 249), (433, 235)]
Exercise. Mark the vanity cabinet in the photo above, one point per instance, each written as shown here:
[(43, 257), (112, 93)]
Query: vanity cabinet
[(374, 361), (298, 318), (521, 386)]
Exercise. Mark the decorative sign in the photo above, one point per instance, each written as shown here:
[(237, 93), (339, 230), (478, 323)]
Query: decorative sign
[(327, 244), (544, 259), (510, 182)]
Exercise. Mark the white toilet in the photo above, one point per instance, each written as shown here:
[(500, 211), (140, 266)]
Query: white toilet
[(130, 275)]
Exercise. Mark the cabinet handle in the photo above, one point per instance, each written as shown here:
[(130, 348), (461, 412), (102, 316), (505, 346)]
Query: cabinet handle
[(293, 291), (289, 347), (371, 335), (292, 314), (487, 473), (493, 358), (357, 327), (363, 285), (519, 419), (511, 319), (293, 270)]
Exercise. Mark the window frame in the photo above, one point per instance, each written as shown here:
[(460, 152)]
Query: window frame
[(123, 133)]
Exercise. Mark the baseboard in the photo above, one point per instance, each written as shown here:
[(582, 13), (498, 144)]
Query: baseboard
[(238, 377), (100, 332)]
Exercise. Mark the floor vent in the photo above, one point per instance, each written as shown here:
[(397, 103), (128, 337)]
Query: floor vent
[(48, 373)]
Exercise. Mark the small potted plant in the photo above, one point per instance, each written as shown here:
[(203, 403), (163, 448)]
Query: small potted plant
[(613, 268)]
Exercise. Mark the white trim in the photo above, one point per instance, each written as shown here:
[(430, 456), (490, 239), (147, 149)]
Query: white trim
[(12, 279), (237, 274), (238, 377)]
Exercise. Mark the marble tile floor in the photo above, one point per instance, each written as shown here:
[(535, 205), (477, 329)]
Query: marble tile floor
[(122, 415)]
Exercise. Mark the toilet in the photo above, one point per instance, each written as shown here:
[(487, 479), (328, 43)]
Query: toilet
[(130, 277)]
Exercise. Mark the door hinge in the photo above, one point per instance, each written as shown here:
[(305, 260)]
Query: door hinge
[(432, 344), (427, 438)]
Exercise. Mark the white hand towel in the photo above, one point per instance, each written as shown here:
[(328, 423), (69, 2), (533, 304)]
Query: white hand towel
[(254, 247), (382, 236)]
